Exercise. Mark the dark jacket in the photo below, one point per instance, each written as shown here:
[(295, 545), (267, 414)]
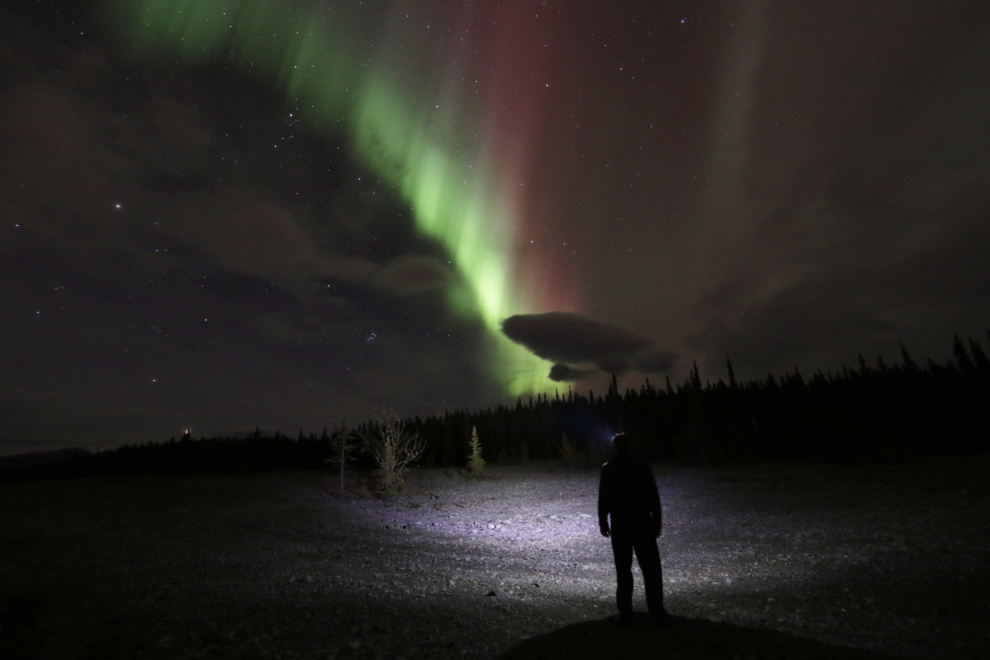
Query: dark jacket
[(628, 491)]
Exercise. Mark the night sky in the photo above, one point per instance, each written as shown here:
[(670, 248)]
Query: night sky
[(226, 214)]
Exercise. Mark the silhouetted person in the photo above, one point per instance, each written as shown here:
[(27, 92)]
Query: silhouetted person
[(628, 493)]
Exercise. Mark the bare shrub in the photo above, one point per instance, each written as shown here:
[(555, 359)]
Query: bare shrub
[(394, 447)]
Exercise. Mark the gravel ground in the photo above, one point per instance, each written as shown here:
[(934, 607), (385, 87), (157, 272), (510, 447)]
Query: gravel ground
[(776, 561)]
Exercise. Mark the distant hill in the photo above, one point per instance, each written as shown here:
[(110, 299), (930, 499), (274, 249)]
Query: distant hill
[(185, 456), (40, 457)]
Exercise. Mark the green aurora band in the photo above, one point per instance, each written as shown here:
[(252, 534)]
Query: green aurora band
[(310, 52)]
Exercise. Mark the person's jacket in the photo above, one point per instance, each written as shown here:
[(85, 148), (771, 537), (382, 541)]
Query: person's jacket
[(628, 492)]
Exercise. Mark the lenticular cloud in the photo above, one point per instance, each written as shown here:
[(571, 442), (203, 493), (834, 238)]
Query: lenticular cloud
[(573, 339)]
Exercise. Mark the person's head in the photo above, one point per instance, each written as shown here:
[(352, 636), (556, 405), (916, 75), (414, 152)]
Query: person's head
[(621, 443)]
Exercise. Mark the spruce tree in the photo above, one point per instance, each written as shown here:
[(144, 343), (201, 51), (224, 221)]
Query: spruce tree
[(979, 357), (567, 451), (475, 463), (696, 377), (909, 364), (342, 448), (962, 357), (613, 389)]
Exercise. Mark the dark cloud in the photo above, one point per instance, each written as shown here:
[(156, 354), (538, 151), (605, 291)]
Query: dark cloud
[(566, 373), (880, 236), (828, 321), (159, 268), (656, 362), (413, 274), (572, 338)]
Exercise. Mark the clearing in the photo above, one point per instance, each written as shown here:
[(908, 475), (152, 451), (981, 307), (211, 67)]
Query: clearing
[(778, 561)]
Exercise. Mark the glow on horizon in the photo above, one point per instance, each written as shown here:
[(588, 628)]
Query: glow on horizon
[(461, 196)]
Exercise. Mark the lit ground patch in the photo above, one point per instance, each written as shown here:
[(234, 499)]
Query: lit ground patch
[(814, 561)]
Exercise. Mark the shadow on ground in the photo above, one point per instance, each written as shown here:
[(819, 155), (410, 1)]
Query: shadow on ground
[(694, 639), (19, 615)]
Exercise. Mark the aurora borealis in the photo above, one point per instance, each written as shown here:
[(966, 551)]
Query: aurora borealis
[(462, 175), (236, 213)]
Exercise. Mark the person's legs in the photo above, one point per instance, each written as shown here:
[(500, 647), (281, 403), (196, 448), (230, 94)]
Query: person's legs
[(648, 556), (622, 550)]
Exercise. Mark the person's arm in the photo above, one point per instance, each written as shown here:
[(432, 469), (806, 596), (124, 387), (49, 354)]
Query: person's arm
[(603, 502), (656, 514)]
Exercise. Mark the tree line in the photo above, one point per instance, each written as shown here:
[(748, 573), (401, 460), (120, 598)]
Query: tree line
[(871, 412)]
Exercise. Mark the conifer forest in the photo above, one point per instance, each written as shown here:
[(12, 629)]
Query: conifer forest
[(874, 412)]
